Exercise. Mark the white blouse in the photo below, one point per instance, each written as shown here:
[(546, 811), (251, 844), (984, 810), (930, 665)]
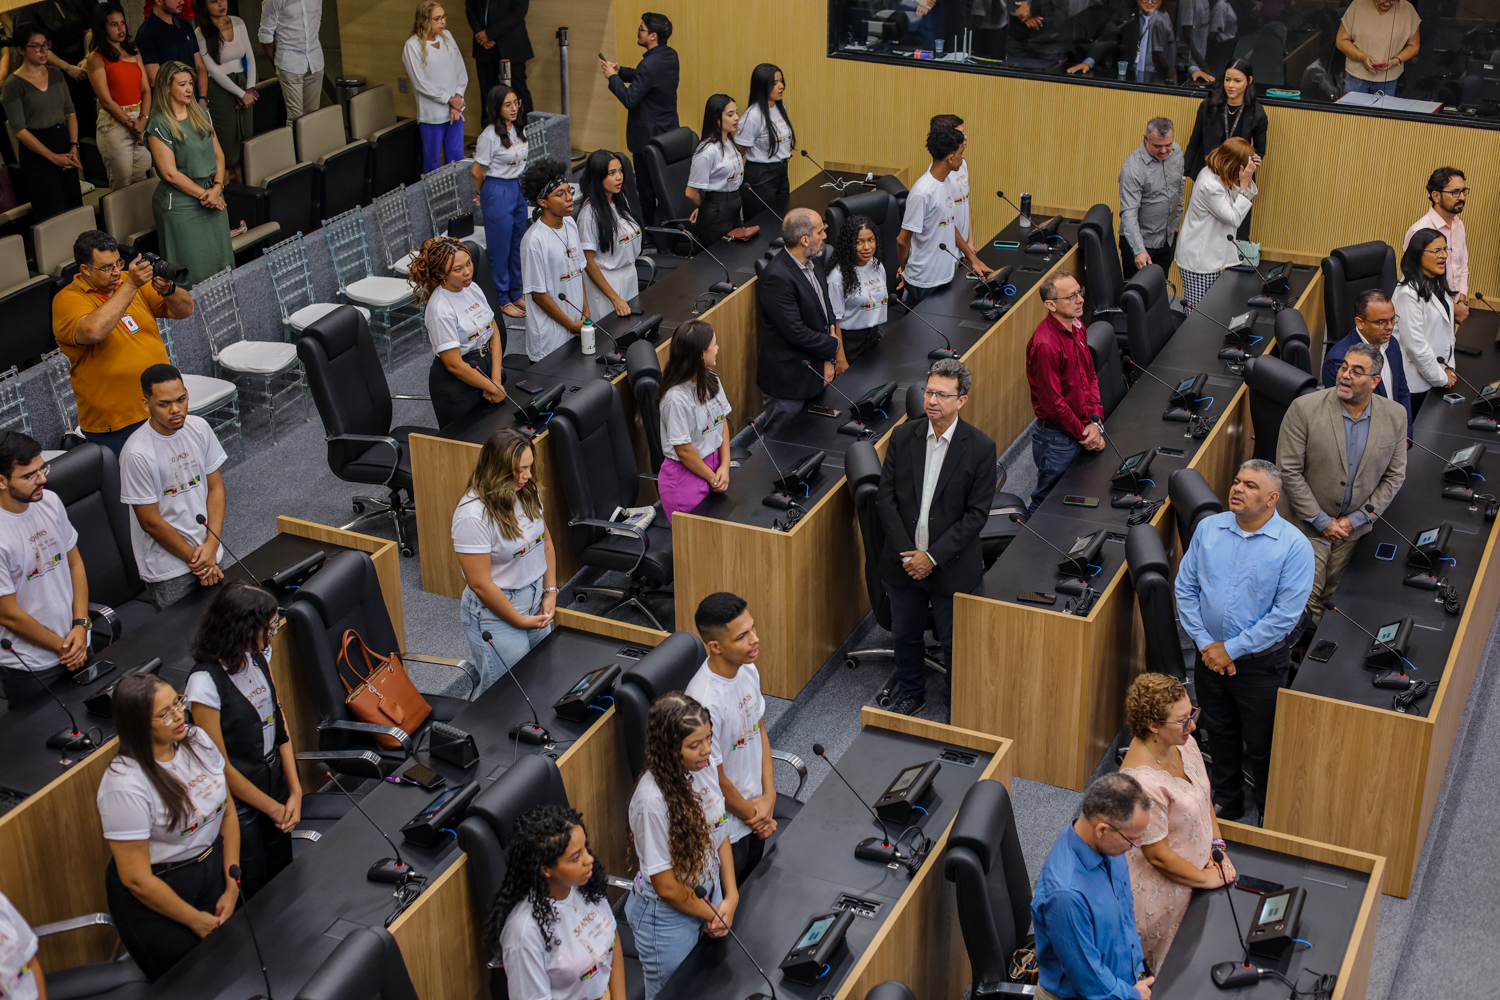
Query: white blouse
[(717, 167), (234, 57), (751, 134), (1425, 332), (1214, 213), (436, 80), (863, 305)]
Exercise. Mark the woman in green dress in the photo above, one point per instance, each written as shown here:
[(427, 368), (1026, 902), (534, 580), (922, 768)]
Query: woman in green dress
[(191, 219)]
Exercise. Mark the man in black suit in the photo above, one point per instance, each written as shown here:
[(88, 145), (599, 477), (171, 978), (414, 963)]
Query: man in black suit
[(936, 488), (500, 33), (650, 99), (798, 344)]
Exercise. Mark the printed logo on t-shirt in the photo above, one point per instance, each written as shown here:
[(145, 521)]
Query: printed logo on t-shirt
[(875, 291), (745, 737), (528, 546), (574, 265), (46, 553), (172, 491), (218, 811), (703, 792), (714, 423)]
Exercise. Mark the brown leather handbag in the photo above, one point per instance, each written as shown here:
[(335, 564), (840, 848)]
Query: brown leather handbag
[(384, 694)]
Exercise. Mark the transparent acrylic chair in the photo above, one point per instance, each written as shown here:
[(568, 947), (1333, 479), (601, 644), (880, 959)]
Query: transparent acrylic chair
[(394, 222), (291, 276), (394, 315), (216, 400), (268, 373)]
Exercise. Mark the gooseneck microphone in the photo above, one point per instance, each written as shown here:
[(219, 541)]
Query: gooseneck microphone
[(882, 849), (838, 183), (758, 198), (1180, 405), (719, 287), (1233, 975), (1427, 581), (234, 873), (1075, 584), (1025, 216), (965, 265), (1127, 500), (937, 353), (1452, 491), (1276, 306), (69, 739), (854, 427), (1330, 606), (534, 733), (1476, 423), (394, 870), (237, 560), (702, 894)]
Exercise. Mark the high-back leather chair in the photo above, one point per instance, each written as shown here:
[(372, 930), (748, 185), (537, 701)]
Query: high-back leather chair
[(988, 871), (668, 158), (1149, 322), (53, 241), (344, 167), (881, 208), (26, 304), (397, 156), (891, 989), (596, 463), (1192, 500), (1292, 339), (1151, 578), (1104, 348), (1273, 384), (644, 369), (354, 400), (1103, 278), (128, 216), (277, 188), (366, 965), (1347, 271)]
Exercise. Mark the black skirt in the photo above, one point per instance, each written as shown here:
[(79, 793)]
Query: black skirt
[(52, 189), (451, 396)]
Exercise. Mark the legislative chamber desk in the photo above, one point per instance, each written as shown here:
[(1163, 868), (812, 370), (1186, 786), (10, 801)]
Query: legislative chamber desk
[(51, 840), (1345, 767), (1055, 682)]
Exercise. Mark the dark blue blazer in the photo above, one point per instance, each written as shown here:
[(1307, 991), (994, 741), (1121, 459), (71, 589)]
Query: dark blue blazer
[(1392, 383)]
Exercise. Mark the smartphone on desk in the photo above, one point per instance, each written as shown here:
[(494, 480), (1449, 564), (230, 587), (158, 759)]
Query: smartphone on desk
[(1322, 650), (822, 411), (1385, 551), (525, 385), (1076, 501)]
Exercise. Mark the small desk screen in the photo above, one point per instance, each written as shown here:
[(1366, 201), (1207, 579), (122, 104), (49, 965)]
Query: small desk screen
[(1186, 384), (1130, 463), (903, 782), (1082, 543), (1243, 319), (1387, 633), (588, 679), (1274, 908), (1462, 456), (1427, 537), (815, 932)]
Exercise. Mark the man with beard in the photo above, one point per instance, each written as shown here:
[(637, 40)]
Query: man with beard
[(1448, 191)]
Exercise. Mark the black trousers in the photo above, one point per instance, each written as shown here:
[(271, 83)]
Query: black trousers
[(1159, 255), (452, 397), (643, 188), (747, 852), (719, 213), (769, 181), (488, 71), (1417, 399), (264, 850), (157, 942), (912, 295), (22, 685), (909, 607), (857, 342), (52, 190), (1239, 713)]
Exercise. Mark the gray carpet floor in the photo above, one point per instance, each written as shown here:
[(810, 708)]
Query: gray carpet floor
[(1439, 942)]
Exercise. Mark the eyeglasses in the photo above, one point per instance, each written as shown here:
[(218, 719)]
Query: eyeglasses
[(40, 47), (274, 627), (1132, 841), (1437, 251), (168, 715), (36, 474), (1384, 324), (938, 394), (1356, 372), (1075, 297), (114, 268), (1191, 720), (1458, 193)]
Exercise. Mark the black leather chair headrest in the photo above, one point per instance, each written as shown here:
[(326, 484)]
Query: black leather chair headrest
[(874, 204), (669, 666), (1150, 282), (1363, 260), (1145, 553), (916, 401), (677, 145), (1292, 325), (335, 331), (641, 359), (1098, 218), (891, 186), (891, 989), (1102, 343), (981, 821), (1277, 380), (338, 587), (589, 407), (861, 464), (532, 781), (366, 965)]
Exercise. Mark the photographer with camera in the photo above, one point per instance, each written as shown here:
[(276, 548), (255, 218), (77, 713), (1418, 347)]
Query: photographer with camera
[(105, 322)]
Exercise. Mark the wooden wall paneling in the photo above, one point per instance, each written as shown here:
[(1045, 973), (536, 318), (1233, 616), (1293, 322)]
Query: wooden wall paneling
[(596, 773), (736, 323), (441, 470), (55, 854), (439, 940)]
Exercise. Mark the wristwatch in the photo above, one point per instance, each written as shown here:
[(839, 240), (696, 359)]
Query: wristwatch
[(549, 590), (82, 623)]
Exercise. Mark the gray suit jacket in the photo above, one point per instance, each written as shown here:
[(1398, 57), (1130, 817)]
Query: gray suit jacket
[(1314, 463)]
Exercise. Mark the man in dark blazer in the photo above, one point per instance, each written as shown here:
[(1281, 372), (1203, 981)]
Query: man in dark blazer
[(798, 346), (500, 33), (936, 488), (1374, 322), (650, 98)]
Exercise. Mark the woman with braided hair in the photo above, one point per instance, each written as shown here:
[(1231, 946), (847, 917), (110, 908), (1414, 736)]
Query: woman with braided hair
[(857, 287), (460, 325), (680, 827), (550, 919)]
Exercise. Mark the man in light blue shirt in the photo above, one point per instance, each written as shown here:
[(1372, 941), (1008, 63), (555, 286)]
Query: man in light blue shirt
[(1241, 589)]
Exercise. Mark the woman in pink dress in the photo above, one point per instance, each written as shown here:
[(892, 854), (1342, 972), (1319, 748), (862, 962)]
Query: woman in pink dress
[(1176, 854)]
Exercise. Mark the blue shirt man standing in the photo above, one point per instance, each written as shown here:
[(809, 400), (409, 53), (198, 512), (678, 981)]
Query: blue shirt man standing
[(1083, 911)]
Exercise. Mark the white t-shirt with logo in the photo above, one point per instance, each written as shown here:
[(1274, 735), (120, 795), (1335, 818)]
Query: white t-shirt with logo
[(34, 550), (627, 245), (737, 708), (931, 217), (865, 303), (961, 182), (130, 809), (18, 944), (250, 682), (650, 827), (171, 472), (514, 562), (577, 967), (462, 319), (551, 262), (752, 135), (498, 159), (716, 167), (684, 420)]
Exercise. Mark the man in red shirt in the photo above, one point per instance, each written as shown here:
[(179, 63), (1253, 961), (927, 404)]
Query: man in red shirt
[(1064, 388)]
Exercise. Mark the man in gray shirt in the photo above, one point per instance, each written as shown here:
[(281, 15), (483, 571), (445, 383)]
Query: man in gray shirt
[(1151, 185)]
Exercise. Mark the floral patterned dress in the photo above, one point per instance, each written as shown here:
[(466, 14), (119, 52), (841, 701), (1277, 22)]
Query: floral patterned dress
[(1182, 814)]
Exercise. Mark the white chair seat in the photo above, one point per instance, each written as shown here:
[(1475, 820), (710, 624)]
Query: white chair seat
[(48, 455), (382, 293), (308, 315), (403, 266), (205, 393), (258, 357), (478, 237)]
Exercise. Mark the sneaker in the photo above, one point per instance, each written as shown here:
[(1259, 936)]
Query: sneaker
[(908, 704)]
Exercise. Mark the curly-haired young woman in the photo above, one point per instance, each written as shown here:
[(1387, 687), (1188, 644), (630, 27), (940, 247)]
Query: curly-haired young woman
[(856, 286), (461, 329)]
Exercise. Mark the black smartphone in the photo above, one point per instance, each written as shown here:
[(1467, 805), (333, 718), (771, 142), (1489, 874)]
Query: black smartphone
[(1076, 501), (525, 385), (1257, 885), (424, 776), (1385, 551), (601, 57), (1171, 452), (822, 411), (92, 672), (1322, 650), (1034, 597)]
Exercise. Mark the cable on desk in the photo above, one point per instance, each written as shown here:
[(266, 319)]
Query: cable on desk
[(1199, 424), (1144, 513), (794, 514), (1405, 702), (1210, 399), (1448, 594)]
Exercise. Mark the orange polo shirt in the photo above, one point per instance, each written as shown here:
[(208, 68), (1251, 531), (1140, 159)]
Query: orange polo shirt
[(107, 375)]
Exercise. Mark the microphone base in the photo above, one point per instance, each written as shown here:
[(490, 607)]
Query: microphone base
[(1422, 579), (721, 287), (1177, 414), (876, 849), (1128, 501), (942, 354), (1071, 585), (779, 500), (1233, 354), (1458, 493), (854, 429), (610, 359), (532, 734), (1263, 302), (1234, 975), (1483, 424), (390, 871), (1390, 680), (68, 739)]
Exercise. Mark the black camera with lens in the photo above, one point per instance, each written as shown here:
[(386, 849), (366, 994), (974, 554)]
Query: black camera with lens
[(165, 269)]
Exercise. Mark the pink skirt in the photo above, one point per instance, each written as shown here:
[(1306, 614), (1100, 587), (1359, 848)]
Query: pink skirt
[(680, 489)]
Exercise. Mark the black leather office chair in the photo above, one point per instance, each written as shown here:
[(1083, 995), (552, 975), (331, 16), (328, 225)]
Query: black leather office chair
[(881, 208), (891, 989), (344, 167), (1347, 271), (1104, 348), (596, 463), (1273, 384), (1192, 500), (120, 979), (1151, 577), (277, 188), (1293, 342), (985, 864), (397, 158), (893, 187), (644, 369), (670, 667), (1104, 279), (366, 965), (345, 594), (354, 400), (87, 481), (1149, 320), (654, 263), (668, 159)]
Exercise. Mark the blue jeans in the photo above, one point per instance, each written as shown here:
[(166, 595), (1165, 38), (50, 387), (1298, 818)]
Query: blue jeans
[(663, 935), (504, 211), (1354, 85), (1052, 451), (507, 643), (441, 143)]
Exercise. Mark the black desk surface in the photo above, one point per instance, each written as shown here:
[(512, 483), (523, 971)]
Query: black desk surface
[(307, 909), (812, 863), (1134, 426), (1207, 936), (26, 765)]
